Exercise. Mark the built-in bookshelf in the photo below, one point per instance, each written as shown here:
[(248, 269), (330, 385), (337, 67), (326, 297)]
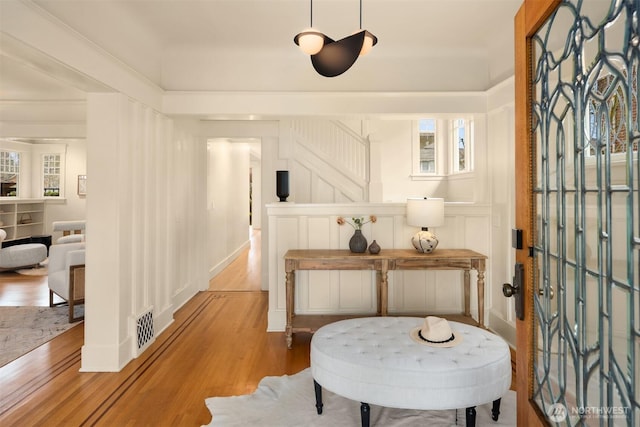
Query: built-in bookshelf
[(22, 218)]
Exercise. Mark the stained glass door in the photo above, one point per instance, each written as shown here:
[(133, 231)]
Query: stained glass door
[(578, 141)]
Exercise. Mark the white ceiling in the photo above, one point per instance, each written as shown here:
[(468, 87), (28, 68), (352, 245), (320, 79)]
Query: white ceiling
[(247, 45)]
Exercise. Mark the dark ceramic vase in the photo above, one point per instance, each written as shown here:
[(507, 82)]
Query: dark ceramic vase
[(374, 248), (358, 243), (282, 185)]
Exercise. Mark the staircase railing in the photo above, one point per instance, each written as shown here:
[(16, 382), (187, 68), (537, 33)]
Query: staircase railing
[(338, 144)]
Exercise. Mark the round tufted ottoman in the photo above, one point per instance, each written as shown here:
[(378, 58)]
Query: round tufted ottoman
[(373, 360)]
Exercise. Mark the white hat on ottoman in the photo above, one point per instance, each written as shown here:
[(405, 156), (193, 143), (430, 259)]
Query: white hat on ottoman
[(436, 332)]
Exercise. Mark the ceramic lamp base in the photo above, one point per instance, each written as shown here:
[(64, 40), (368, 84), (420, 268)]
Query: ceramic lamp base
[(424, 241)]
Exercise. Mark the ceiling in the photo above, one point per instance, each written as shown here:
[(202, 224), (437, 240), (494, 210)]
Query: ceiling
[(247, 45)]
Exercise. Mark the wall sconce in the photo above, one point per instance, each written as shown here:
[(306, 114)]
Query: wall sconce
[(425, 213), (331, 58)]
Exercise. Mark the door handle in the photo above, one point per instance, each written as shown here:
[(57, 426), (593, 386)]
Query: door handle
[(508, 290), (516, 290)]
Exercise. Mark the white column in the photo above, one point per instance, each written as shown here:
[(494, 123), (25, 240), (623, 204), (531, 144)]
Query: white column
[(106, 189)]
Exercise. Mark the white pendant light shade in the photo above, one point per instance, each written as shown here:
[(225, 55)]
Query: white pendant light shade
[(310, 41)]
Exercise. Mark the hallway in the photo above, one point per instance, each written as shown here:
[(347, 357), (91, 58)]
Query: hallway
[(243, 273)]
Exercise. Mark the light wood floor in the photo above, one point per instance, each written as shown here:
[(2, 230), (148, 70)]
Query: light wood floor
[(217, 346), (243, 274)]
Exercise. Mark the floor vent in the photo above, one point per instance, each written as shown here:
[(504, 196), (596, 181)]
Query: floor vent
[(144, 329)]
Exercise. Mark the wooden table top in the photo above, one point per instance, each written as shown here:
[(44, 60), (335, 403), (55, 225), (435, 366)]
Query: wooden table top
[(384, 253)]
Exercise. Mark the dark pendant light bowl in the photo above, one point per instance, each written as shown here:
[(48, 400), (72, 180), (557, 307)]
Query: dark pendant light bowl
[(336, 57)]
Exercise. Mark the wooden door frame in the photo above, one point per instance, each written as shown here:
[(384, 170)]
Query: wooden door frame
[(531, 15)]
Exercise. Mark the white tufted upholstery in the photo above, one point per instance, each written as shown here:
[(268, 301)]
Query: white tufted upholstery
[(374, 360)]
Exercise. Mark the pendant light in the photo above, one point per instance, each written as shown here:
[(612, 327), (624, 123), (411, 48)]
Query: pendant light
[(331, 58)]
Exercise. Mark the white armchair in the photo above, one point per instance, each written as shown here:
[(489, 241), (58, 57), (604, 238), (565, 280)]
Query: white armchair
[(66, 275)]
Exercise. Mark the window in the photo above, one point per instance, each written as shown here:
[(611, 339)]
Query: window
[(427, 131), (461, 145), (51, 175), (9, 173), (441, 146)]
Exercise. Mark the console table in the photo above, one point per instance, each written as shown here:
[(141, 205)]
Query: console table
[(382, 263)]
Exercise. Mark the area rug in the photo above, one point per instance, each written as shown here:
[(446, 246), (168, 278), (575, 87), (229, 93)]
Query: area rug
[(24, 328), (290, 401)]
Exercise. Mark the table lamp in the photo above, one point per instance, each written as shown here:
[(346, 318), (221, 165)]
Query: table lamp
[(425, 213)]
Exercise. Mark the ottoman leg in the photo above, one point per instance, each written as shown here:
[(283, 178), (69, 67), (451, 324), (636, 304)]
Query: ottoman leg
[(364, 414), (318, 389), (471, 416), (495, 410)]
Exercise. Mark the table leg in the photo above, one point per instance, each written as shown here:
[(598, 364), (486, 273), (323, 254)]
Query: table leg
[(467, 293), (384, 289), (379, 292), (481, 297), (289, 289)]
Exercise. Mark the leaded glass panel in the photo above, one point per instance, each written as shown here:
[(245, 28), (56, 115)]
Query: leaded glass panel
[(585, 137)]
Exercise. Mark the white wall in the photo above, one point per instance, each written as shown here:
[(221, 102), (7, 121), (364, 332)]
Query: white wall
[(146, 203), (227, 202)]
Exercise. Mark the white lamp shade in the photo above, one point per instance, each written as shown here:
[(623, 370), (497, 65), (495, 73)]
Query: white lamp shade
[(310, 41), (423, 212)]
